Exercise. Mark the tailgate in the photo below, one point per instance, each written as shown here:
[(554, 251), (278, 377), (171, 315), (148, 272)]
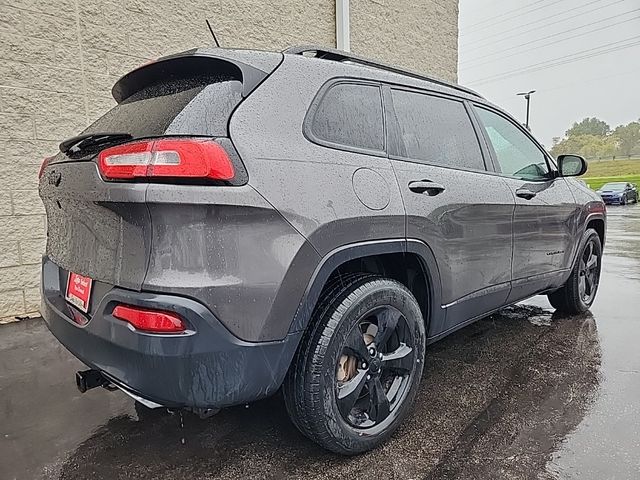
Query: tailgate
[(97, 229)]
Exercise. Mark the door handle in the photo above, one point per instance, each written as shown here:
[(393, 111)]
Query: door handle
[(525, 193), (426, 186)]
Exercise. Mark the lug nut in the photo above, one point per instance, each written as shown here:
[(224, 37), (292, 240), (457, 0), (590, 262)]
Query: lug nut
[(364, 364), (380, 356), (372, 351), (368, 377)]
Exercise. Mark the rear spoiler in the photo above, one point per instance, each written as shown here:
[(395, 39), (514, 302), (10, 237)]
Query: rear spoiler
[(251, 67)]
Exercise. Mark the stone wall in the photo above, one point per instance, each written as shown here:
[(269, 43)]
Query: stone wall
[(59, 59)]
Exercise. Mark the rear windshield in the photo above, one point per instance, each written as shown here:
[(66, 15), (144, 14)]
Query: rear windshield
[(197, 105)]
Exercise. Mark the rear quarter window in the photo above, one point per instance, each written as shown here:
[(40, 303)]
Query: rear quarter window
[(349, 115)]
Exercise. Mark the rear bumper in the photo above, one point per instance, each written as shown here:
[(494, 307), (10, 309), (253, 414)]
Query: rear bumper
[(206, 367)]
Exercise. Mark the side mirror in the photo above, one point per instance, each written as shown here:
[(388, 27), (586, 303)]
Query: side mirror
[(571, 165)]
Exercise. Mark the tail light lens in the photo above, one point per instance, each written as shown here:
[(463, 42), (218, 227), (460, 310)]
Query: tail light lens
[(168, 158), (155, 321), (45, 162)]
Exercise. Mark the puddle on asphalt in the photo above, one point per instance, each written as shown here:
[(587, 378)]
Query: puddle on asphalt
[(534, 315), (496, 396)]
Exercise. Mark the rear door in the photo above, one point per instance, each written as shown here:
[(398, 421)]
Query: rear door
[(453, 204), (546, 214)]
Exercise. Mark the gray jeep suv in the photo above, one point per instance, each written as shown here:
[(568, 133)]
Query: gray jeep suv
[(244, 221)]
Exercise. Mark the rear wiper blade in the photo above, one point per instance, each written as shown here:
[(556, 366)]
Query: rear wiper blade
[(76, 144)]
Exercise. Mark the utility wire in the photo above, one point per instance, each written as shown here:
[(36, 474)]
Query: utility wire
[(588, 53), (555, 34), (582, 81), (589, 80), (464, 32), (500, 52), (550, 65), (521, 32), (503, 14)]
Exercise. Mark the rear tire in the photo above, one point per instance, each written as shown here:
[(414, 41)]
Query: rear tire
[(358, 368), (579, 291)]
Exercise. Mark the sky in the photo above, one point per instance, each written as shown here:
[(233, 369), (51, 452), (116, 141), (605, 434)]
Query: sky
[(569, 51)]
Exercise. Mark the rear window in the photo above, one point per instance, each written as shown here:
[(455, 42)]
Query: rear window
[(196, 105), (350, 115)]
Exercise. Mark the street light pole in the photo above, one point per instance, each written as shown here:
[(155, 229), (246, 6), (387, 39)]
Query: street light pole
[(527, 97)]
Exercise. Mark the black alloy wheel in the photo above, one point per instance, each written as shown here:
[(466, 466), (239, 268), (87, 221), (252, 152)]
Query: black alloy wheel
[(373, 372), (578, 293), (589, 272), (357, 371)]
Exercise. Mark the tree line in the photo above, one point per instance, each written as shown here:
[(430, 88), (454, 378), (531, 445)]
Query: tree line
[(593, 138)]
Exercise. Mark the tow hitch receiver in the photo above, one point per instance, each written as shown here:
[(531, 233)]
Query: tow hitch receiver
[(90, 379)]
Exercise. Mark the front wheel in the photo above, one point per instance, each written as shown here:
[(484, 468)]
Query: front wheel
[(579, 292), (357, 371)]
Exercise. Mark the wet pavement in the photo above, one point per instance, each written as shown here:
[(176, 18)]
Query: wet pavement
[(521, 394)]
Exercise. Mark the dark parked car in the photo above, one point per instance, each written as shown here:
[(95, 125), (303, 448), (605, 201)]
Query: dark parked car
[(618, 192), (243, 221)]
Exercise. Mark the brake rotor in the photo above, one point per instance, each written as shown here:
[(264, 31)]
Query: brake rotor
[(348, 364)]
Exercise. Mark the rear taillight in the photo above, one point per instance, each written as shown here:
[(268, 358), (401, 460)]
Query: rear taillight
[(155, 321), (45, 162), (166, 158)]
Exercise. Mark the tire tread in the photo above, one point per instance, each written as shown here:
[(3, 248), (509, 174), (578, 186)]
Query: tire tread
[(302, 388)]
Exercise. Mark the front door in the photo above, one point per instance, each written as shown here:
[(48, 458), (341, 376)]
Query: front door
[(546, 214), (453, 204)]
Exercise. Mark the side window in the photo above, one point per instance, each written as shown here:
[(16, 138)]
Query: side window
[(517, 155), (350, 115), (436, 130)]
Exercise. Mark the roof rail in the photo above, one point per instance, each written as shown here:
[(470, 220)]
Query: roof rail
[(341, 56)]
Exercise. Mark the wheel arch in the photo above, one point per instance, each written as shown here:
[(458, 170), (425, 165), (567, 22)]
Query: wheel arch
[(598, 224), (411, 262)]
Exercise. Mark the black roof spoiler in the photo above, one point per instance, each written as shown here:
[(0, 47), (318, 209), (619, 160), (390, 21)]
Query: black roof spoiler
[(186, 63), (326, 53)]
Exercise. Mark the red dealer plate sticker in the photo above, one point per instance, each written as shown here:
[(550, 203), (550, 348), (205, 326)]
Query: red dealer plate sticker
[(79, 291)]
